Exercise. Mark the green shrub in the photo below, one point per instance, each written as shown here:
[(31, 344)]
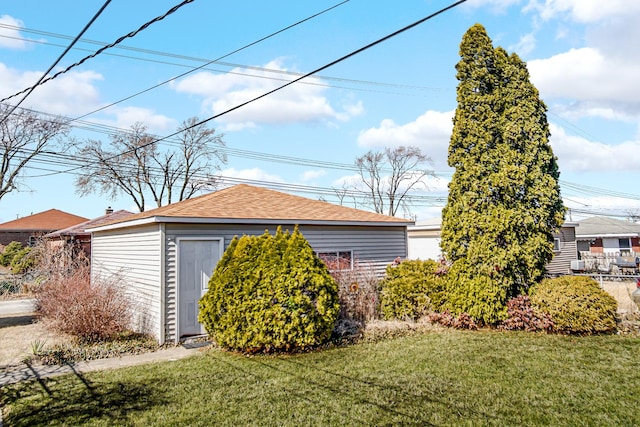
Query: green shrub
[(22, 261), (412, 289), (480, 294), (270, 293), (576, 304), (9, 252)]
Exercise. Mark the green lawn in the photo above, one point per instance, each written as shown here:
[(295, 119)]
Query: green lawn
[(440, 378)]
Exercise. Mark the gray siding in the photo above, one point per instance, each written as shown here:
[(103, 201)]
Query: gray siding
[(376, 245), (561, 262), (134, 255)]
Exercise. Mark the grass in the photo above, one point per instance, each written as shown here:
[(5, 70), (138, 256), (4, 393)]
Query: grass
[(440, 378)]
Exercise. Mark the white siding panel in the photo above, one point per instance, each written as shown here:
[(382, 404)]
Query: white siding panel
[(424, 248), (561, 262), (134, 255)]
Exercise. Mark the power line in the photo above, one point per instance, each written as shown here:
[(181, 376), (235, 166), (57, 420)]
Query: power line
[(273, 34), (220, 63), (40, 81), (567, 187), (99, 51), (317, 70)]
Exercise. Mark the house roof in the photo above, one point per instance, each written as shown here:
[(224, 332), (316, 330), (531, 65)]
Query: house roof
[(80, 229), (249, 204), (427, 224), (599, 226), (50, 220)]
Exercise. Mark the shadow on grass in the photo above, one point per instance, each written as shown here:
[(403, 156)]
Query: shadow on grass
[(74, 400), (21, 320)]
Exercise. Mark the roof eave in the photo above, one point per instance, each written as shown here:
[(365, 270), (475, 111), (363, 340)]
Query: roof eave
[(610, 235), (198, 220)]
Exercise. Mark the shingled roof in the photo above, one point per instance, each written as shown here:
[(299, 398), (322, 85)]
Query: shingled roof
[(598, 226), (81, 229), (50, 220), (246, 203)]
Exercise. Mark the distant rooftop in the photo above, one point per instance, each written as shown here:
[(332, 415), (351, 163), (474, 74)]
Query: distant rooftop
[(50, 220)]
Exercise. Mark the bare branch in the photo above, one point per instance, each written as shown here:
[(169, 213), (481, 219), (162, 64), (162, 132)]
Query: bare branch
[(24, 135)]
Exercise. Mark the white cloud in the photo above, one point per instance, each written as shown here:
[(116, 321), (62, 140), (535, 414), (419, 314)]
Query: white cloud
[(579, 154), (585, 207), (304, 101), (254, 174), (583, 11), (75, 93), (496, 6), (10, 36), (587, 75), (525, 45), (70, 94), (313, 174), (156, 123), (431, 132)]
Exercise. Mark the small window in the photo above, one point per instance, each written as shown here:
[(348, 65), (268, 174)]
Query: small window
[(556, 245), (338, 260), (624, 244), (32, 241)]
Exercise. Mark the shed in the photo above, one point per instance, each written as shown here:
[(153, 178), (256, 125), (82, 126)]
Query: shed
[(424, 243), (166, 256), (27, 229)]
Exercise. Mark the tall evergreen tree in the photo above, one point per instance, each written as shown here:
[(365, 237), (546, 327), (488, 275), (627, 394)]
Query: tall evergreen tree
[(504, 199)]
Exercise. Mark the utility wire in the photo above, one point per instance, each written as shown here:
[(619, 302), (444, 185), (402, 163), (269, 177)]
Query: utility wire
[(213, 60), (204, 60), (109, 46), (567, 187), (41, 80), (317, 70)]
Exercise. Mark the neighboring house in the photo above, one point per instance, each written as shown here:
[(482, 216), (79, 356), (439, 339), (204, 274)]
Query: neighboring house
[(166, 256), (424, 243), (78, 235), (28, 229), (601, 235)]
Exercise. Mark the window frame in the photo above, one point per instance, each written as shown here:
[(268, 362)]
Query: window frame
[(625, 248), (336, 255)]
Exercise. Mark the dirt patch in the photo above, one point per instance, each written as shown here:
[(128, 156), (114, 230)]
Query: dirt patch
[(621, 291), (18, 334)]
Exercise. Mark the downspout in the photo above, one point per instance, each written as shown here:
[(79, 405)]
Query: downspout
[(163, 287)]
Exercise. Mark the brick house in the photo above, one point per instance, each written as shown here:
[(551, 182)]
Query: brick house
[(28, 229)]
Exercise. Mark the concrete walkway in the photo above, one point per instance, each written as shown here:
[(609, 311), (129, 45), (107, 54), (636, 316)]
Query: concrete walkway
[(28, 371), (16, 306)]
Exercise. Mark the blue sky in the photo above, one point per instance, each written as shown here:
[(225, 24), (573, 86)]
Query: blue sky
[(583, 56)]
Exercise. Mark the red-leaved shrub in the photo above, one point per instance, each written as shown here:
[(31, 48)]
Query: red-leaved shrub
[(71, 304), (521, 316), (357, 289), (462, 321)]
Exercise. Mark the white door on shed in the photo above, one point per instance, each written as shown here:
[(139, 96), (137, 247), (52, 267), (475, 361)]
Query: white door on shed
[(196, 261)]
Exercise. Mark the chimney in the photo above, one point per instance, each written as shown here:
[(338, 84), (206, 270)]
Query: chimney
[(108, 211)]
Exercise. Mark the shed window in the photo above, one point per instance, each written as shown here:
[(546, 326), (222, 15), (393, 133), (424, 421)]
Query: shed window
[(556, 245), (338, 260)]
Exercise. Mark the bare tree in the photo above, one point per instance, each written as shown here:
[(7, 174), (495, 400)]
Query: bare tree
[(134, 165), (633, 214), (389, 176), (25, 135)]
